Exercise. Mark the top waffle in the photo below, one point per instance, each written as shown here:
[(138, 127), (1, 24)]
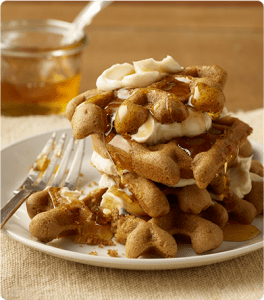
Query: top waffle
[(195, 139)]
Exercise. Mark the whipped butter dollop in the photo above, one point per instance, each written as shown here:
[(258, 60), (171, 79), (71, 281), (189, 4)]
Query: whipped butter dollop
[(153, 132), (110, 200), (103, 164), (70, 195), (241, 183), (141, 74)]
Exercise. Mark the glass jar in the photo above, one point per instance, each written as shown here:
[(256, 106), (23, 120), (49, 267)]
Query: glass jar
[(39, 75)]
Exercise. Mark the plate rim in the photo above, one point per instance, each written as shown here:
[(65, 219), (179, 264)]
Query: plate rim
[(125, 263), (139, 264)]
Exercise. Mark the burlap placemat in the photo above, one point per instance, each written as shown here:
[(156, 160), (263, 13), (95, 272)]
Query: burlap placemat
[(29, 274)]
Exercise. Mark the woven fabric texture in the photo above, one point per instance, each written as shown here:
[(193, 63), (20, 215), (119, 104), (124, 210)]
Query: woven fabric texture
[(29, 274)]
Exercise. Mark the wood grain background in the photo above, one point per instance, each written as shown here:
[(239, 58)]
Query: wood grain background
[(184, 2), (229, 34)]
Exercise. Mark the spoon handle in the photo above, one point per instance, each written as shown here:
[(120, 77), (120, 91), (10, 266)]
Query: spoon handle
[(88, 13), (83, 19)]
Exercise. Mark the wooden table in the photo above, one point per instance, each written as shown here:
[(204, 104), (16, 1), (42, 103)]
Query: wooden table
[(229, 34)]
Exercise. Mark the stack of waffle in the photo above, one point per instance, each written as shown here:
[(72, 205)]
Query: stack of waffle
[(173, 161)]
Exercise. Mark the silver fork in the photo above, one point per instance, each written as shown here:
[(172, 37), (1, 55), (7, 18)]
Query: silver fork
[(34, 182)]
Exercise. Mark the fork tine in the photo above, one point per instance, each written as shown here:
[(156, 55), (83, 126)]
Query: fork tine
[(63, 164), (35, 170), (74, 171), (13, 204), (57, 154), (43, 155)]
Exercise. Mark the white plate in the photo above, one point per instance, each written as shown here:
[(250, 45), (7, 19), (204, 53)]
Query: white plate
[(17, 158)]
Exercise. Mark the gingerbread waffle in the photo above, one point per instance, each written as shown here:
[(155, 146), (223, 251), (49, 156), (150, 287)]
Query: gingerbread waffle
[(158, 186)]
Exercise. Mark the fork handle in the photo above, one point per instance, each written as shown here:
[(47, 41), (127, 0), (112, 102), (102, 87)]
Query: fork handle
[(13, 205)]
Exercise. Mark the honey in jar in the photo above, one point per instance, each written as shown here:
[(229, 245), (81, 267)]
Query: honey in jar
[(39, 74), (42, 98)]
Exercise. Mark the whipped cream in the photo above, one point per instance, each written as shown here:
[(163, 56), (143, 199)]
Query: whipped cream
[(141, 74), (109, 199), (240, 182), (70, 195), (103, 164), (124, 93), (224, 113), (184, 79), (184, 182), (153, 132), (255, 177), (120, 142), (106, 181)]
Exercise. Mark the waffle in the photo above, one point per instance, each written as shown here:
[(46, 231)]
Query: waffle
[(182, 182)]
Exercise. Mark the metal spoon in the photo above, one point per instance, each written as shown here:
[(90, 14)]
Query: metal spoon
[(83, 19)]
